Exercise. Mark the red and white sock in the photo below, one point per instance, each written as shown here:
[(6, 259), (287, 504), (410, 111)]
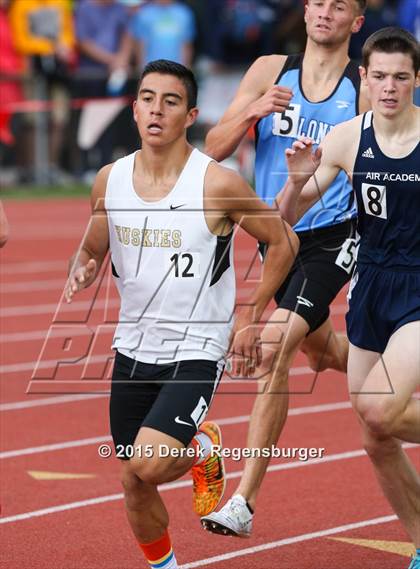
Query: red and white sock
[(159, 553)]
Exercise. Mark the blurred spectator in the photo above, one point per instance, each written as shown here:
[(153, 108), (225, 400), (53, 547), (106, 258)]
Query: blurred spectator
[(11, 73), (164, 29), (409, 16), (101, 31), (235, 33), (105, 46), (43, 30), (379, 14), (290, 33), (239, 31)]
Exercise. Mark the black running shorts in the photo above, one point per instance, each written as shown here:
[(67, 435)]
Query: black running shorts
[(322, 267), (173, 399)]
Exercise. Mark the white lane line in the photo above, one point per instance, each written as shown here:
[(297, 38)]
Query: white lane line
[(53, 447), (34, 267), (48, 364), (81, 305), (29, 309), (32, 286), (63, 332), (81, 330), (50, 234), (288, 541), (243, 254), (56, 226), (294, 412), (184, 484), (61, 508), (31, 403)]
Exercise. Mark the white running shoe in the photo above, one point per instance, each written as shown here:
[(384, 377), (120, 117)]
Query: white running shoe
[(233, 519)]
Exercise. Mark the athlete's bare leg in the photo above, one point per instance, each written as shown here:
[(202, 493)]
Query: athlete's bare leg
[(284, 334), (141, 475), (382, 394), (281, 339), (145, 509), (326, 348)]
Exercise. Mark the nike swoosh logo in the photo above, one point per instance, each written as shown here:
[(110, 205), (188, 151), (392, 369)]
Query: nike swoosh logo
[(181, 422), (176, 206)]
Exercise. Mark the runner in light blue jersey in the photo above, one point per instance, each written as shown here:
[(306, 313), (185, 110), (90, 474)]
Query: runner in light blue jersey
[(276, 132), (284, 97)]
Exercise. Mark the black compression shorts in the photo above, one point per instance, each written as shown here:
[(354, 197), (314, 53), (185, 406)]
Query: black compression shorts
[(173, 399), (322, 267)]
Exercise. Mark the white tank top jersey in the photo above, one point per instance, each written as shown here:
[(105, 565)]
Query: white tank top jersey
[(175, 278)]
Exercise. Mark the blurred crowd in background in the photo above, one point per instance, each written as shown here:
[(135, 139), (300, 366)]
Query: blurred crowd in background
[(58, 57)]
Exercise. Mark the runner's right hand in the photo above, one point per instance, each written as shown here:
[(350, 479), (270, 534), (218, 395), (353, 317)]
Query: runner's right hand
[(275, 100), (79, 279), (302, 160)]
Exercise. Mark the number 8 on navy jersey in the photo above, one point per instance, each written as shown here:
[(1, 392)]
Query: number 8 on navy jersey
[(374, 200)]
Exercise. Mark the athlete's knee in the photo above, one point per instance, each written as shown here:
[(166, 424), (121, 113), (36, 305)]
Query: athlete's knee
[(378, 447), (276, 367), (317, 361), (281, 339), (153, 470), (333, 357), (378, 414)]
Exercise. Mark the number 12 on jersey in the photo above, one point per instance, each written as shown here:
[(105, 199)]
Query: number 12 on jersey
[(184, 265), (287, 122)]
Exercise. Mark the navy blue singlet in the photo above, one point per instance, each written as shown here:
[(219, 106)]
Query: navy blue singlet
[(385, 289), (388, 199)]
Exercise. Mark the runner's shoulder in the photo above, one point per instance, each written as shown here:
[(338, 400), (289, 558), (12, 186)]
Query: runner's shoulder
[(267, 68), (346, 131), (221, 181), (99, 187)]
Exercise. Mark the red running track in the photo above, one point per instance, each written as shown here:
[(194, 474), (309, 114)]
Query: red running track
[(80, 523)]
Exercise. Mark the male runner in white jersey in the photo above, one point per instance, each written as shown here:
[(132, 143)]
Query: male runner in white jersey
[(166, 213), (380, 152), (287, 97)]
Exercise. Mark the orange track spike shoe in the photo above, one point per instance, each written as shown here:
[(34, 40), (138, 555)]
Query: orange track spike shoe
[(209, 476)]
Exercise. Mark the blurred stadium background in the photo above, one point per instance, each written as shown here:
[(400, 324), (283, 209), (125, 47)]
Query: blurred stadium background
[(68, 73)]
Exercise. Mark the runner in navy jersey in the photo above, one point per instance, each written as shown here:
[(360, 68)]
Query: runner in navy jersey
[(380, 151)]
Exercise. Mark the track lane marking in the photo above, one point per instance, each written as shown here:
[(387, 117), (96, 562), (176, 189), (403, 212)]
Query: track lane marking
[(288, 541), (241, 254), (41, 334), (63, 308), (293, 412), (186, 483), (30, 404), (33, 267), (47, 364)]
